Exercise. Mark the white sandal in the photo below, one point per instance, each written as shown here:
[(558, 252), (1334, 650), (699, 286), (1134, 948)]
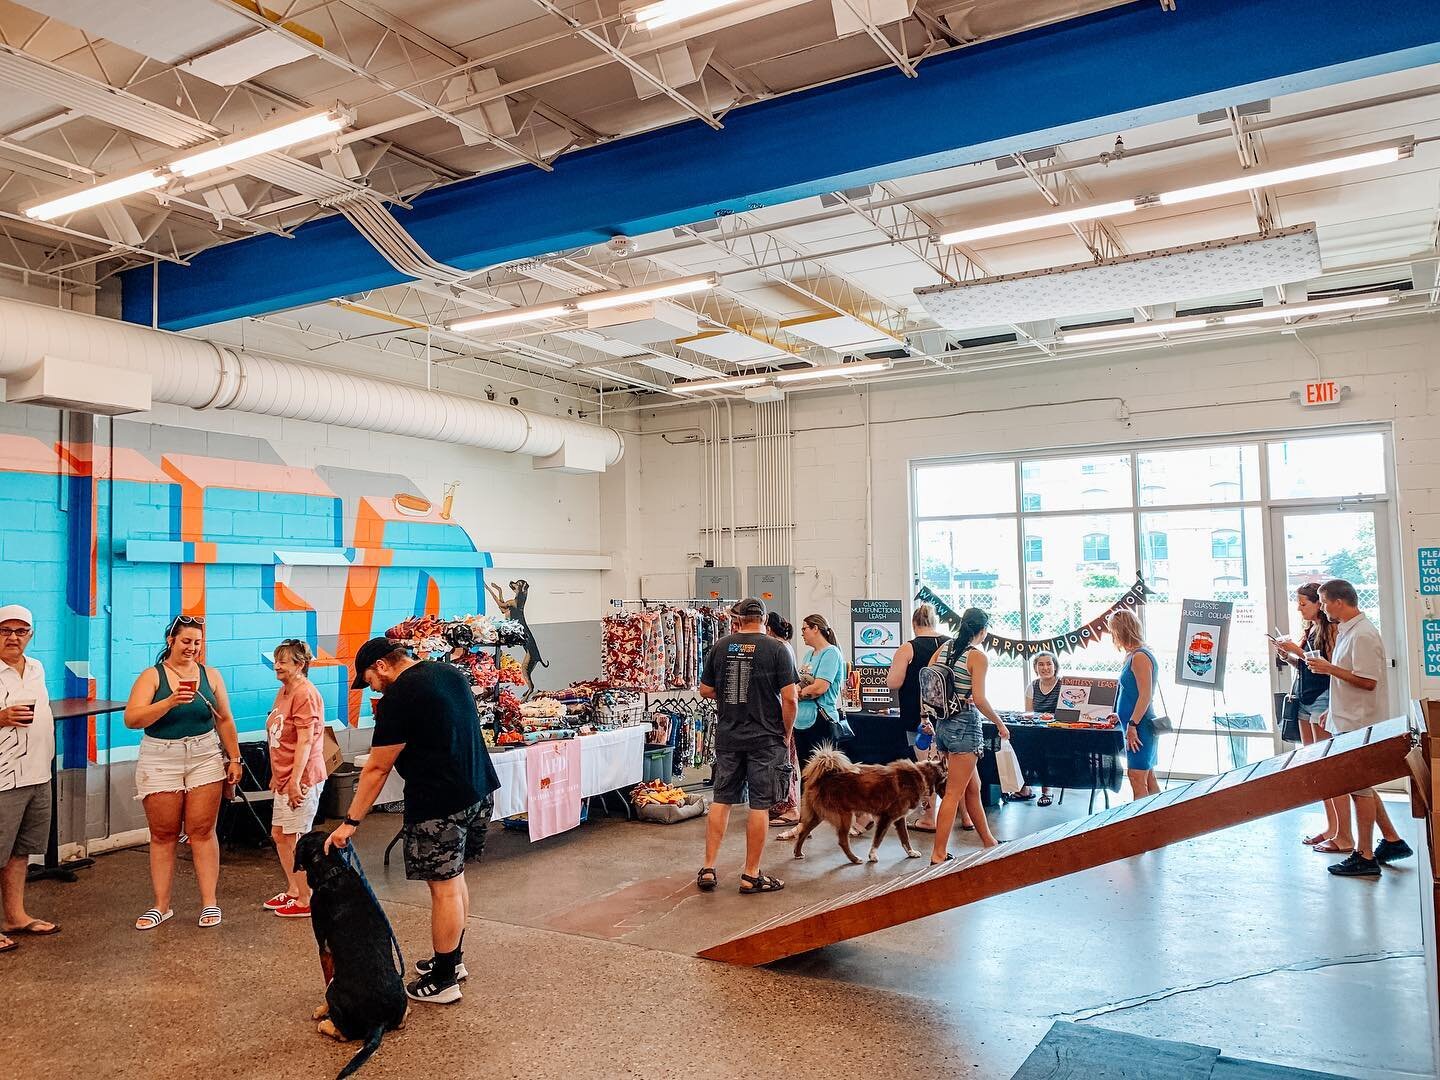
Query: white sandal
[(209, 917), (153, 918)]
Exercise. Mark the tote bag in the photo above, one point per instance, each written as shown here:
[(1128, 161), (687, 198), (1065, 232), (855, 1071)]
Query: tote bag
[(1007, 764)]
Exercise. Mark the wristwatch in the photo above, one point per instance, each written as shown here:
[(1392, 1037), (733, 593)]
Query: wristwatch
[(351, 822)]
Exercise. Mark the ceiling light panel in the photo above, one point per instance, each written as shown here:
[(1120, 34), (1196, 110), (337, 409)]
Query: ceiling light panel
[(277, 138), (1068, 216), (840, 371), (94, 196), (1366, 159), (840, 332), (720, 384), (1156, 277)]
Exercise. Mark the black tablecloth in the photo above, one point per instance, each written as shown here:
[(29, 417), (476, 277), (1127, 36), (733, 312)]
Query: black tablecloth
[(879, 739), (1059, 757)]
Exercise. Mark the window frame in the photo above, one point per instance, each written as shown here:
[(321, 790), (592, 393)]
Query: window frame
[(1260, 499)]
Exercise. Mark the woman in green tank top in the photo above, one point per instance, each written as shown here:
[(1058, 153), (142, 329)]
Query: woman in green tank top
[(189, 750)]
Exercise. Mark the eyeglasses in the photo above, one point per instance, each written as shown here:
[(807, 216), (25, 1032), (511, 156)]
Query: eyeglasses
[(23, 632), (187, 620)]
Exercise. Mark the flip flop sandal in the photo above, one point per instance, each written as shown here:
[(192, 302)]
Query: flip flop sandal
[(942, 862), (1044, 800), (1328, 847), (758, 884), (779, 822), (968, 828), (30, 928), (6, 945), (153, 918), (707, 879), (209, 917), (789, 834), (921, 828), (1311, 841)]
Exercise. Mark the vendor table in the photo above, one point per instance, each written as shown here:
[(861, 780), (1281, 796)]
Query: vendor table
[(65, 709), (609, 761), (1060, 757), (880, 738)]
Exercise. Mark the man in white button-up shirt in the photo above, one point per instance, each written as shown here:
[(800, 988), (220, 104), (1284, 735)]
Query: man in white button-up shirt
[(1358, 699), (27, 747)]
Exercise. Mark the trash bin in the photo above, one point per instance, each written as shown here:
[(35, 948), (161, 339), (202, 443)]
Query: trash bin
[(339, 791), (658, 764)]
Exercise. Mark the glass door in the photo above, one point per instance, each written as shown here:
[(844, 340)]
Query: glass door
[(1315, 544)]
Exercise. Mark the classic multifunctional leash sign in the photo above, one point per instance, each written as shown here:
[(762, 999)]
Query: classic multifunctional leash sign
[(1070, 640)]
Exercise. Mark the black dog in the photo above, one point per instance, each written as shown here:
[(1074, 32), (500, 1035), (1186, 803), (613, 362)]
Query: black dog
[(514, 608), (364, 991)]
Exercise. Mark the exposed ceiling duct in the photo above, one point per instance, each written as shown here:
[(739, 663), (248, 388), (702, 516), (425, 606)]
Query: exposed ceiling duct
[(390, 239), (203, 375)]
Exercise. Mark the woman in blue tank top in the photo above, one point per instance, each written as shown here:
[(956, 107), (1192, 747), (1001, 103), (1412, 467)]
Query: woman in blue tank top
[(1136, 703)]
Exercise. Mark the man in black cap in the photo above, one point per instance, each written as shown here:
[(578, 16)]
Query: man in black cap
[(426, 725), (751, 678)]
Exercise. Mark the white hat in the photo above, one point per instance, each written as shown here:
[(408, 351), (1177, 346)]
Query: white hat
[(16, 613)]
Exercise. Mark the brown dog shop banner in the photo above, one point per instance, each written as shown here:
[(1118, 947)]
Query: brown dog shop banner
[(1069, 641)]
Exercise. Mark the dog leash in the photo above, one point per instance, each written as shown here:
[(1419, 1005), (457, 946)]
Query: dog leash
[(352, 859)]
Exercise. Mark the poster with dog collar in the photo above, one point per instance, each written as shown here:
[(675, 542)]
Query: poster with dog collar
[(1204, 641)]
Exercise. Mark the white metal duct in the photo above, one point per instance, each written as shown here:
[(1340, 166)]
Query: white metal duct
[(203, 375), (1151, 277)]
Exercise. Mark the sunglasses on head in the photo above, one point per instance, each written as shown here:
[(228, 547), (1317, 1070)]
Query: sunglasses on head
[(187, 620)]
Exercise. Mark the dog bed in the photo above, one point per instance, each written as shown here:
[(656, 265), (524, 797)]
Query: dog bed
[(669, 813)]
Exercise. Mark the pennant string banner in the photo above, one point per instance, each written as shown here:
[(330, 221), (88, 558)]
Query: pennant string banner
[(1070, 640)]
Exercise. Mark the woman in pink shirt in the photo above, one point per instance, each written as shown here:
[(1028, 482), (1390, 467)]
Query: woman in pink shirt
[(295, 731)]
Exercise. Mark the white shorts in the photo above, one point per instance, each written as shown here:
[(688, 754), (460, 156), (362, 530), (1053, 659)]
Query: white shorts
[(294, 821), (179, 765)]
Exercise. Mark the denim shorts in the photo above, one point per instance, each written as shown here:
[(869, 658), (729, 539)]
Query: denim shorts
[(962, 733), (178, 765), (1314, 713)]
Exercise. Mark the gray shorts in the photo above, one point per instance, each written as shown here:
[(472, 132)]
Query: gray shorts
[(764, 770), (963, 733), (436, 850), (24, 821)]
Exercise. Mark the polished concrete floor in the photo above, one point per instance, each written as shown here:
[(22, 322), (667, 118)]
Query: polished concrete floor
[(580, 954)]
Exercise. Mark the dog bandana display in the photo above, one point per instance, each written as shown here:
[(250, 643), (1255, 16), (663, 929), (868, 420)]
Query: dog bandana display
[(660, 648)]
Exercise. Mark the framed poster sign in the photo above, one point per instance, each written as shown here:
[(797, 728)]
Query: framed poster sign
[(1204, 641)]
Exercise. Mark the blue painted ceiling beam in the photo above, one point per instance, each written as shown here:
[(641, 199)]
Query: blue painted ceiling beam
[(1105, 73)]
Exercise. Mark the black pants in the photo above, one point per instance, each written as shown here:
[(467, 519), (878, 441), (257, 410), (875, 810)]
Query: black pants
[(808, 740)]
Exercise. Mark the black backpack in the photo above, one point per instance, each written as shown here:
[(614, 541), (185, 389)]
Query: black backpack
[(939, 699)]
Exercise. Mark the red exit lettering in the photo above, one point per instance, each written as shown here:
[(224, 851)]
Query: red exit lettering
[(1321, 393)]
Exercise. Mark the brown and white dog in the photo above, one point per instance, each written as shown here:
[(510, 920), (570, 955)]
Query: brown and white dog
[(835, 789)]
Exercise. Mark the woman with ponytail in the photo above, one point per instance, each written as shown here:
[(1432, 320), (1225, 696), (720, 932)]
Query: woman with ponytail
[(961, 736)]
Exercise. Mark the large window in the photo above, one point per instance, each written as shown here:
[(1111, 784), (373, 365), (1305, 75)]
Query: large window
[(1047, 542)]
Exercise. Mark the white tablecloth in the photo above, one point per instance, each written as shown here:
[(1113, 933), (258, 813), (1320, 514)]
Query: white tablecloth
[(608, 760)]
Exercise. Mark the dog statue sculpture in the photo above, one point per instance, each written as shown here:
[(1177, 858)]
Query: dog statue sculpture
[(514, 608), (364, 987)]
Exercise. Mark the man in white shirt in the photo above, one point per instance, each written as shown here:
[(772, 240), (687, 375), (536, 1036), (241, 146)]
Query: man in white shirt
[(27, 747), (1358, 699)]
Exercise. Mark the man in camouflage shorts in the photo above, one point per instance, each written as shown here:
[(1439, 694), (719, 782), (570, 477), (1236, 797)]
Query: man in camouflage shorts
[(427, 728)]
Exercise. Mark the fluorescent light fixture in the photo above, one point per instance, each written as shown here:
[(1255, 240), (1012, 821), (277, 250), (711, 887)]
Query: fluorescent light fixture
[(1041, 221), (1133, 330), (94, 196), (277, 138), (510, 318), (1313, 307), (641, 293), (843, 370), (719, 384), (1269, 177), (665, 12)]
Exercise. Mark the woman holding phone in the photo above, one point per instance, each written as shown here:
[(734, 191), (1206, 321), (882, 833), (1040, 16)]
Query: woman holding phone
[(1312, 691), (190, 749)]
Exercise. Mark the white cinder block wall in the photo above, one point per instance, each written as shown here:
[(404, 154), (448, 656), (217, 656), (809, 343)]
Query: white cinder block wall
[(1392, 368)]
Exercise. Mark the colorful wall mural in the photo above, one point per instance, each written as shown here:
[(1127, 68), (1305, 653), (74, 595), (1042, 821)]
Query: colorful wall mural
[(107, 543)]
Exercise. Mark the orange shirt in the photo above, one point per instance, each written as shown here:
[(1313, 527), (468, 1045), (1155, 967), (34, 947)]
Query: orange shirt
[(300, 708)]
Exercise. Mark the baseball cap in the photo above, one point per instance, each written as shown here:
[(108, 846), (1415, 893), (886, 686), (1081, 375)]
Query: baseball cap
[(749, 608), (377, 648), (16, 613)]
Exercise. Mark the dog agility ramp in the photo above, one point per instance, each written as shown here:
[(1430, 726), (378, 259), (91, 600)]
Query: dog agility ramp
[(1347, 763)]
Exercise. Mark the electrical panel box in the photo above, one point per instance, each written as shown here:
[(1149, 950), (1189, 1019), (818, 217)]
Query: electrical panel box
[(775, 585), (717, 583)]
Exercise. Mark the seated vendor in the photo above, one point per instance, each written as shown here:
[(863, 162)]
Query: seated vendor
[(1042, 696)]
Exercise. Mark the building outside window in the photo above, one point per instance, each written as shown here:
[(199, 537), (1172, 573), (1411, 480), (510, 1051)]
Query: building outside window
[(1097, 547)]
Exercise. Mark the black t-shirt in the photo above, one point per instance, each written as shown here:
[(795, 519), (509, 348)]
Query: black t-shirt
[(747, 673), (446, 766)]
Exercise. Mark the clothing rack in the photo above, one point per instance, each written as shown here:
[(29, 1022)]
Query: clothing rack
[(686, 601)]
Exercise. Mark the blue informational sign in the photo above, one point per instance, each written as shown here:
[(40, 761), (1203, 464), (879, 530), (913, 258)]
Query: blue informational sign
[(1429, 571), (1430, 645)]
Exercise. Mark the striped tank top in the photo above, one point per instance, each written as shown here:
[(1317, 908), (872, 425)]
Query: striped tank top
[(964, 684)]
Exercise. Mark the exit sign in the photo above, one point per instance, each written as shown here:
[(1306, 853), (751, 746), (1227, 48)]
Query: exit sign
[(1324, 392)]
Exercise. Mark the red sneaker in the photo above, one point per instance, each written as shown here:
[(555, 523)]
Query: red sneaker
[(293, 910), (279, 900)]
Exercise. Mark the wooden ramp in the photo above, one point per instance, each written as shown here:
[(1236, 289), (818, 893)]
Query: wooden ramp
[(1338, 766)]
